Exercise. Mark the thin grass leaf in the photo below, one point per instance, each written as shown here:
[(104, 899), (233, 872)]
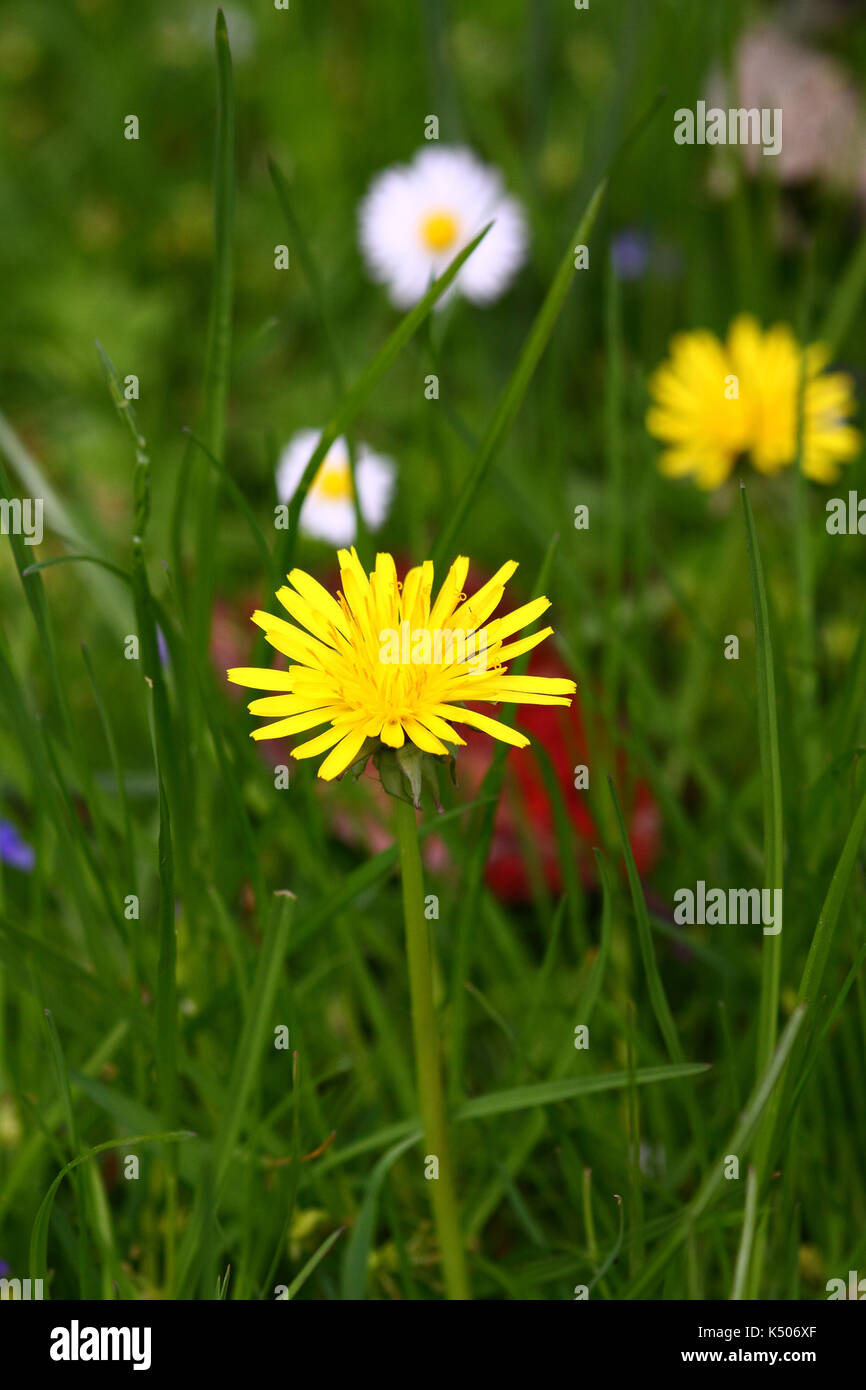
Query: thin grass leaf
[(518, 383), (553, 1092), (656, 988), (744, 1253), (38, 1262), (316, 1259), (356, 1258), (355, 397), (738, 1143)]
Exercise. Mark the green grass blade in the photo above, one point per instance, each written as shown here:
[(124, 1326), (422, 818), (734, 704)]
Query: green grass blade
[(39, 1234), (355, 397), (552, 1092), (355, 1260), (744, 1253), (301, 1278), (656, 988), (738, 1143), (771, 781), (516, 387)]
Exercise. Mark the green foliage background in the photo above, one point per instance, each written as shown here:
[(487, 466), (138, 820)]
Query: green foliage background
[(124, 785)]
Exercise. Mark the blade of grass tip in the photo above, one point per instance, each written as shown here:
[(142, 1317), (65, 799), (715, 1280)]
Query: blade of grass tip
[(77, 559), (39, 1233), (635, 132), (316, 1259), (747, 1236), (738, 1143), (357, 1256), (248, 1059), (609, 1262), (552, 1092), (217, 363), (518, 383), (354, 399)]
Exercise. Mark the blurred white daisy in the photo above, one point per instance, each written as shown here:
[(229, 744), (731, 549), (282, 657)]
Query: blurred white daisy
[(416, 217), (328, 513)]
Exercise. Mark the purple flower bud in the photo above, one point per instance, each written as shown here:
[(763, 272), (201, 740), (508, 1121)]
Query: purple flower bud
[(14, 850), (630, 253)]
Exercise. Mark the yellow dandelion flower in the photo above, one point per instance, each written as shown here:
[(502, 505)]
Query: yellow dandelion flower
[(385, 661), (714, 402)]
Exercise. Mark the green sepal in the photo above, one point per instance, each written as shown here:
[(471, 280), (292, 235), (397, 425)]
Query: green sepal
[(405, 771)]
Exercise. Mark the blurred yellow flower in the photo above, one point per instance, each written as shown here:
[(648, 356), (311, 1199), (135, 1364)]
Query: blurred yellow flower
[(715, 401), (384, 661)]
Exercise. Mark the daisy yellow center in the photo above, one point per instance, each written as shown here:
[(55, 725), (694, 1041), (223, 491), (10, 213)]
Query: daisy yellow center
[(333, 483), (350, 669), (439, 230)]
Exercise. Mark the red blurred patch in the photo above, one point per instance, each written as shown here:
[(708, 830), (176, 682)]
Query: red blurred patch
[(525, 811)]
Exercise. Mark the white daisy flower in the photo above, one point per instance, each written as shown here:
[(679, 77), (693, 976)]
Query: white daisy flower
[(416, 217), (328, 513)]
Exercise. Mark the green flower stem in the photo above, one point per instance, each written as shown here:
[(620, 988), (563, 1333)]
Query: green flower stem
[(429, 1078)]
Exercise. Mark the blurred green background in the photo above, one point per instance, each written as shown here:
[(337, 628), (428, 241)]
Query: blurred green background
[(110, 239)]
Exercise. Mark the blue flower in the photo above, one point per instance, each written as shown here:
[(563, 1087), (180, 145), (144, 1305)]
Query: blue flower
[(14, 850), (630, 252)]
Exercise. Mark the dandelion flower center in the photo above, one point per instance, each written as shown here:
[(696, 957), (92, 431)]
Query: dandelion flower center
[(388, 662), (439, 230)]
